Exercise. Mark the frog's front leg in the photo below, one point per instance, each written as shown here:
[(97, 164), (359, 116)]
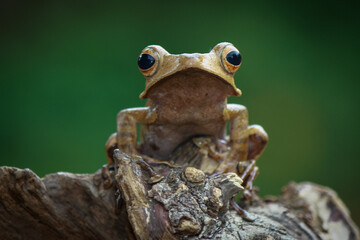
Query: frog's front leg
[(248, 170), (246, 142), (127, 121), (239, 137), (125, 139), (246, 145)]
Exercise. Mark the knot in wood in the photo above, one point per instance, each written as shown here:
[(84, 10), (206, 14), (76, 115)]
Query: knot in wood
[(194, 175)]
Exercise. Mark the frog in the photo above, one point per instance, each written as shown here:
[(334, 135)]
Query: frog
[(187, 97)]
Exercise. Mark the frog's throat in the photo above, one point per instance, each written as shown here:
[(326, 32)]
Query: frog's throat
[(230, 81)]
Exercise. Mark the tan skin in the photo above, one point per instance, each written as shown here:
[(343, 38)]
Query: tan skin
[(187, 97)]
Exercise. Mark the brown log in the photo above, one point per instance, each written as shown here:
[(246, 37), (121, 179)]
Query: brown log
[(58, 206), (186, 204)]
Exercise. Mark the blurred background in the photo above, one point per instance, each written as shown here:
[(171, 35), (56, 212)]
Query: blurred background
[(68, 67)]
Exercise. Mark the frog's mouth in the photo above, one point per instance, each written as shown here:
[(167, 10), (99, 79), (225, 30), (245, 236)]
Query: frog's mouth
[(191, 85), (191, 82)]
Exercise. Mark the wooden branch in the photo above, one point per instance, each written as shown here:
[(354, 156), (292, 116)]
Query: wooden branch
[(59, 206), (186, 204)]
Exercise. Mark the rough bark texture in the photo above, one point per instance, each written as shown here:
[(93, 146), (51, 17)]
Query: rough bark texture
[(185, 204)]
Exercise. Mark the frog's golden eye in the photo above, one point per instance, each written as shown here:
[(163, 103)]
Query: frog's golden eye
[(148, 61), (231, 58)]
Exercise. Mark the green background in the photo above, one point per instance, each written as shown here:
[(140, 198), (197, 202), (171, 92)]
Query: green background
[(67, 69)]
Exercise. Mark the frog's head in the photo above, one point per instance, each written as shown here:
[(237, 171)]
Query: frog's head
[(221, 63)]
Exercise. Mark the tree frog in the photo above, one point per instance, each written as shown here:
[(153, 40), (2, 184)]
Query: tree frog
[(187, 96)]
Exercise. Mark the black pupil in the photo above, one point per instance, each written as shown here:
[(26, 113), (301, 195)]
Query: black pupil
[(234, 58), (146, 61)]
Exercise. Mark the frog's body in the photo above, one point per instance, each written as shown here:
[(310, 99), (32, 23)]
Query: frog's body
[(188, 103), (188, 97)]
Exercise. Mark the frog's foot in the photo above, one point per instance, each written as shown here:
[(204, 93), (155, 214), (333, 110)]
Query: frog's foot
[(248, 171), (107, 173), (242, 212)]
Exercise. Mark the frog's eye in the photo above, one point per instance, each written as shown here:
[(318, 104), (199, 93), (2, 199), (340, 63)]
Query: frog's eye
[(148, 61), (230, 58)]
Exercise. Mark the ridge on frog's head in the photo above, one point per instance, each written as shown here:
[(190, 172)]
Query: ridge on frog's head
[(221, 62)]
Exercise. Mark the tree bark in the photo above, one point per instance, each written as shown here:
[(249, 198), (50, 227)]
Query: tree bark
[(186, 204)]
